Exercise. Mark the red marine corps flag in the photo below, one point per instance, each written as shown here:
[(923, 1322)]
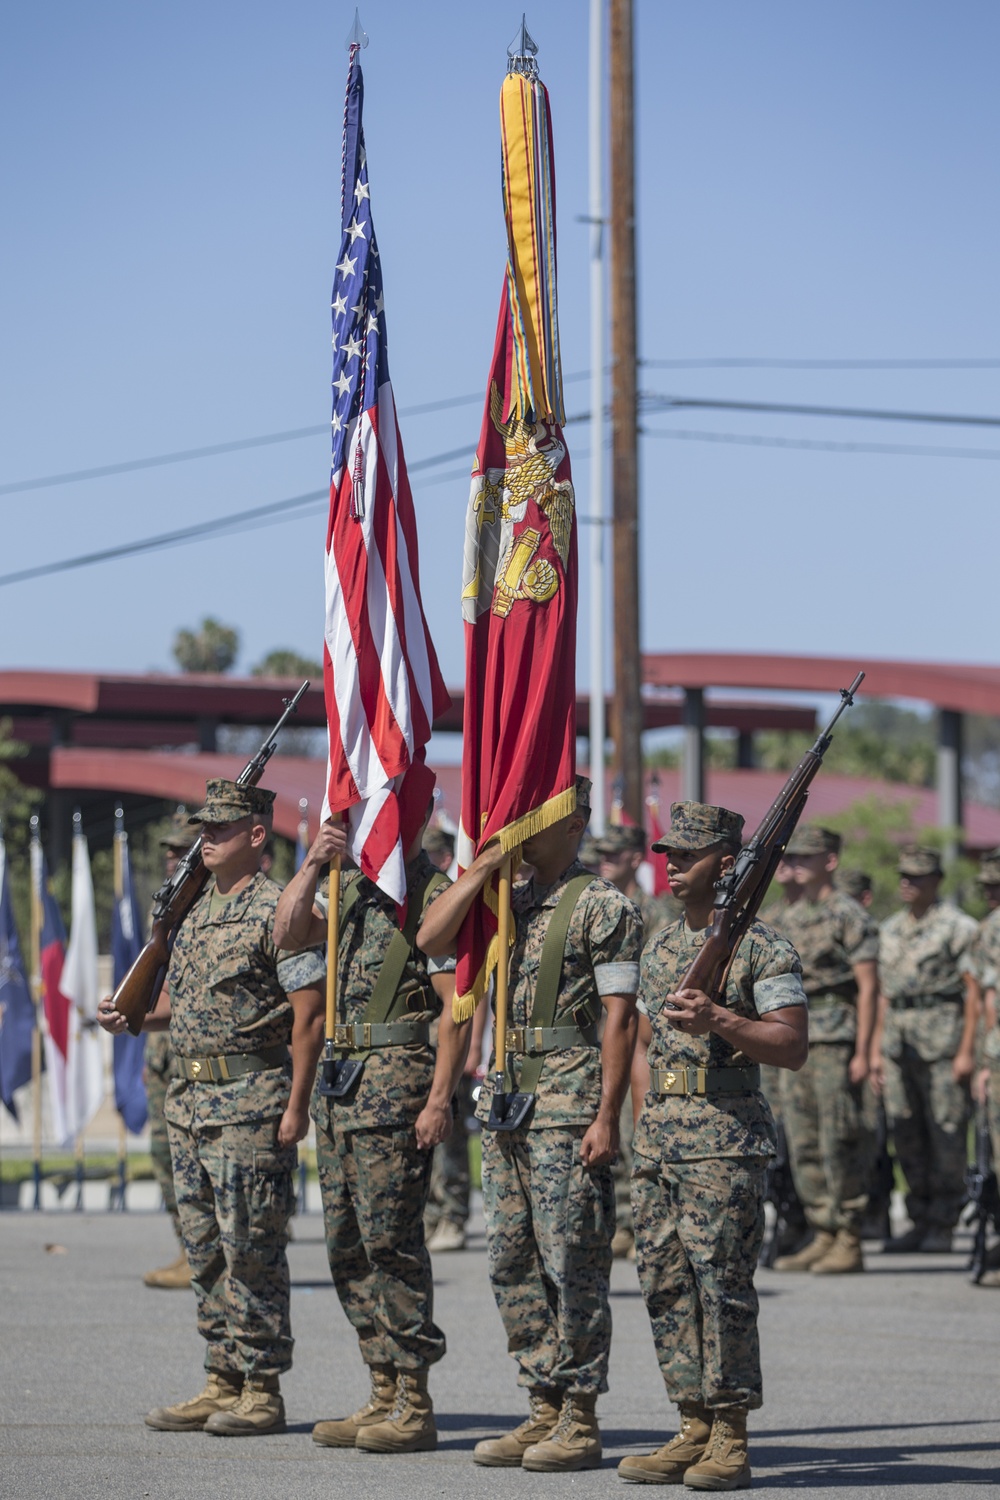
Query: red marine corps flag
[(383, 685), (520, 572)]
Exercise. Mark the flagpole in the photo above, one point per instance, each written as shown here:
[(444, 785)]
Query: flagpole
[(75, 1020), (598, 728), (502, 971), (332, 952), (118, 849), (36, 1039)]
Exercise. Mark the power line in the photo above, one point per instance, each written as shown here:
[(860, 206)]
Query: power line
[(820, 364), (652, 400), (754, 440)]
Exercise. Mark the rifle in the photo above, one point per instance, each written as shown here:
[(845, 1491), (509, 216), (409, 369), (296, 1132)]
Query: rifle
[(779, 1190), (739, 893), (982, 1195), (140, 989)]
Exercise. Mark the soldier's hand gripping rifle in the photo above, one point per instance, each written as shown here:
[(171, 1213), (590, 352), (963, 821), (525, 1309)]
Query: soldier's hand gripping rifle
[(139, 990), (739, 893)]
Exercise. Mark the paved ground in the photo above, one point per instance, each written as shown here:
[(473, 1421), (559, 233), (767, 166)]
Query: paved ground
[(882, 1384)]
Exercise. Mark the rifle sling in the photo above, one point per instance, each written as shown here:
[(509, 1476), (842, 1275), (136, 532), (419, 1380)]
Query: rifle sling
[(549, 979)]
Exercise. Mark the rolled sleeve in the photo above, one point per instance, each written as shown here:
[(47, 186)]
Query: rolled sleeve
[(778, 992), (296, 971), (616, 978)]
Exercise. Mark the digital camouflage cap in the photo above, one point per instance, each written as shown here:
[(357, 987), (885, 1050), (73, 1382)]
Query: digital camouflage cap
[(439, 841), (811, 839), (583, 786), (699, 825), (916, 860), (856, 883), (989, 868), (180, 834), (225, 802), (621, 838)]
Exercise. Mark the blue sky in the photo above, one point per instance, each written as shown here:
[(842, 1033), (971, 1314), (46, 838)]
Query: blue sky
[(814, 182)]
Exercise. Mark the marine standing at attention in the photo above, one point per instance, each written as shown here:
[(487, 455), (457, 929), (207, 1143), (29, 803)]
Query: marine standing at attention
[(703, 1140), (247, 1029), (547, 1188)]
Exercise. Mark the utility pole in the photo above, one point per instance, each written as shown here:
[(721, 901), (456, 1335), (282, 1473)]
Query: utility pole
[(598, 732), (627, 720)]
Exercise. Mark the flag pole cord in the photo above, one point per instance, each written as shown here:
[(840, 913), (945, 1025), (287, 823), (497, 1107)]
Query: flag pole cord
[(332, 948), (502, 969)]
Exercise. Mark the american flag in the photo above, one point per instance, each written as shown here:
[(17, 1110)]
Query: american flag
[(383, 684)]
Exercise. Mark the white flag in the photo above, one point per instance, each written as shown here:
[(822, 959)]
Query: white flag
[(85, 1059)]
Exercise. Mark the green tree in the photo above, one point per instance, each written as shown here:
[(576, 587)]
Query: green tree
[(17, 803), (877, 740), (283, 662), (211, 648)]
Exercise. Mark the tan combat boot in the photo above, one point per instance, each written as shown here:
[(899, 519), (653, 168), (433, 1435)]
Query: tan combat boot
[(259, 1409), (843, 1255), (506, 1452), (175, 1277), (817, 1247), (726, 1464), (574, 1442), (409, 1427), (222, 1391), (341, 1432), (623, 1244), (669, 1464)]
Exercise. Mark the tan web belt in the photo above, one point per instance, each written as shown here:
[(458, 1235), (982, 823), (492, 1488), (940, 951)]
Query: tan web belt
[(549, 1038), (704, 1080), (923, 1002), (237, 1065), (362, 1036)]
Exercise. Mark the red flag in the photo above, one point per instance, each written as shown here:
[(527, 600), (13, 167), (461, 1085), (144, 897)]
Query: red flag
[(661, 883), (520, 572), (383, 685)]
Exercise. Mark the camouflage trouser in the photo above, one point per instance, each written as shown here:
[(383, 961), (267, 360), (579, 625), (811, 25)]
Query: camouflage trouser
[(621, 1168), (235, 1195), (699, 1227), (549, 1223), (928, 1116), (450, 1180), (374, 1185), (993, 1111), (157, 1075), (829, 1140), (770, 1086)]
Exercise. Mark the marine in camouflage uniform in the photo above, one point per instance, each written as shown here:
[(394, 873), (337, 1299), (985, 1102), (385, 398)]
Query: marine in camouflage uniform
[(372, 1152), (927, 965), (547, 1189), (988, 1080), (703, 1141), (235, 1008), (619, 851), (823, 1104)]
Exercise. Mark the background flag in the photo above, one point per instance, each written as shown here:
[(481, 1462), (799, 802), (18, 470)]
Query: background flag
[(661, 882), (79, 984), (520, 572), (56, 1008), (126, 944), (302, 834), (383, 685), (17, 1012)]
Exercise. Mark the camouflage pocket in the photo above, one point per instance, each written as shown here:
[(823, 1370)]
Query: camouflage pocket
[(590, 1209), (272, 1191)]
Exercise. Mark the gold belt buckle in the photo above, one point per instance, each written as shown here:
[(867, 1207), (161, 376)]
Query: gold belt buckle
[(340, 1034), (669, 1079), (194, 1068), (515, 1039)]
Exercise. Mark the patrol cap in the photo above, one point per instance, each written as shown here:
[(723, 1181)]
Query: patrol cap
[(989, 868), (698, 825), (856, 883), (811, 839), (180, 834), (439, 841), (588, 855), (915, 860), (583, 786), (621, 838), (225, 802)]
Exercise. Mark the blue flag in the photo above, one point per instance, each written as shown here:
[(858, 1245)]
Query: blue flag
[(17, 1013), (126, 945)]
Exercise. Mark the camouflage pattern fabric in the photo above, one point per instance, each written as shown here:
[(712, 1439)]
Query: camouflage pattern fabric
[(394, 1085), (830, 1141), (699, 1227), (765, 975), (605, 934), (550, 1223), (235, 1195), (830, 936), (656, 912), (234, 1184), (374, 1185), (928, 1111), (451, 1180), (993, 1109), (158, 1071), (927, 955), (988, 950)]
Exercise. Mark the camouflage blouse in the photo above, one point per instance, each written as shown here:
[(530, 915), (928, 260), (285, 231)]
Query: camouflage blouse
[(601, 957), (765, 976), (229, 994), (830, 937)]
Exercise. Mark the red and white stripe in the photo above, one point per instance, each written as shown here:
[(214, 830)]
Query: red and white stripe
[(380, 672)]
